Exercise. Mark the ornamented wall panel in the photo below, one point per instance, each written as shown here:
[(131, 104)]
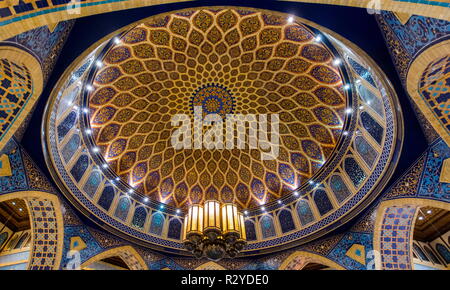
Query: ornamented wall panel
[(419, 49)]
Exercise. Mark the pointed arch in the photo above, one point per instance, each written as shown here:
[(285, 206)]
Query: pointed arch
[(18, 22), (398, 215), (38, 202), (157, 223), (128, 254), (430, 103), (309, 257), (25, 65)]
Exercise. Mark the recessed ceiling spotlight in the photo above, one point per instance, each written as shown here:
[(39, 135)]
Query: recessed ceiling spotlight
[(345, 133), (279, 201), (361, 107), (85, 110), (161, 206), (337, 61), (290, 19), (104, 165), (178, 210), (420, 218), (117, 178), (295, 193), (88, 131), (348, 110), (263, 208), (429, 211), (116, 40), (146, 199), (89, 87), (95, 149), (13, 203), (75, 107), (346, 87), (20, 209), (245, 212), (98, 63), (311, 182), (318, 38), (130, 191)]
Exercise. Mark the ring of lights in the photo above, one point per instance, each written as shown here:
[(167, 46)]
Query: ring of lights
[(63, 157)]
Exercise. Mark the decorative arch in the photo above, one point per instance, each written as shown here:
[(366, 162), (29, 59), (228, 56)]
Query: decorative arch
[(139, 217), (418, 87), (3, 238), (302, 258), (250, 230), (304, 212), (123, 207), (394, 252), (128, 254), (51, 223), (420, 252), (286, 220), (157, 223), (25, 65), (47, 12), (266, 222)]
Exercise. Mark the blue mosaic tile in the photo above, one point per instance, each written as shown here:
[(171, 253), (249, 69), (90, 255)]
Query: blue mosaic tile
[(267, 227), (286, 221), (339, 251), (139, 217), (322, 201), (174, 231)]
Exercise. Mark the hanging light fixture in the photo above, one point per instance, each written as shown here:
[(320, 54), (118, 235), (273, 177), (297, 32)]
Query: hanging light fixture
[(214, 230)]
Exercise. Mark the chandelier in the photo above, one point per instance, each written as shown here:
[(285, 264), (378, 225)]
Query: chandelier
[(214, 231)]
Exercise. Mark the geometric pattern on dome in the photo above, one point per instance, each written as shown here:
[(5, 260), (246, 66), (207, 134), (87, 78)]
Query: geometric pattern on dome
[(227, 61)]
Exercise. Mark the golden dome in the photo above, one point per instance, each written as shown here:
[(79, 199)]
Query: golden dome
[(228, 61)]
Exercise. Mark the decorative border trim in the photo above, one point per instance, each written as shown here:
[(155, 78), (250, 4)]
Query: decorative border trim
[(44, 262), (22, 57), (355, 205)]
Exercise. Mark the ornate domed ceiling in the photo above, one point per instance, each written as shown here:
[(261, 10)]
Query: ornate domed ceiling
[(108, 129), (227, 61)]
